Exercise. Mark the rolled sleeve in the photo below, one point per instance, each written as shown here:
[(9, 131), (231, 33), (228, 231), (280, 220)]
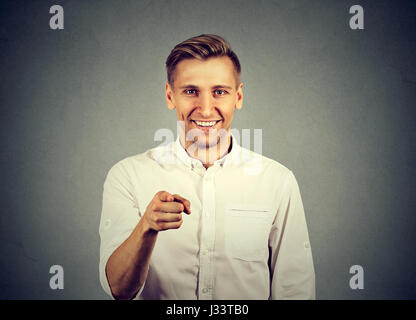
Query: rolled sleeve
[(119, 216), (291, 264)]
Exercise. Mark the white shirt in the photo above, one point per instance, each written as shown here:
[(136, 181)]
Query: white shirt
[(246, 237)]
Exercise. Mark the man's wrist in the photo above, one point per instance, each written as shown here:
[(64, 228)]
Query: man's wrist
[(145, 230)]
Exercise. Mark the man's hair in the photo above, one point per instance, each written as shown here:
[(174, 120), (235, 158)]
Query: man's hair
[(201, 47)]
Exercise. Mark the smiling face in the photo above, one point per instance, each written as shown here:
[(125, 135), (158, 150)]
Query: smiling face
[(205, 94)]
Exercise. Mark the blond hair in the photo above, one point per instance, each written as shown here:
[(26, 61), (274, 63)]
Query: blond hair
[(201, 47)]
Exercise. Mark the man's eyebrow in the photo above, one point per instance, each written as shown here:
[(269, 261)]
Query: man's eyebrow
[(222, 86), (188, 86)]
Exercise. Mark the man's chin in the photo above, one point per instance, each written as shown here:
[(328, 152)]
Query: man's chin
[(204, 142)]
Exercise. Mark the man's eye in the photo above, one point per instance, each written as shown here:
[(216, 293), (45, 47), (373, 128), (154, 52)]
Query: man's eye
[(220, 92), (190, 91)]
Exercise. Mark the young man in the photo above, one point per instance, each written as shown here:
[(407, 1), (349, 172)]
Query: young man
[(190, 220)]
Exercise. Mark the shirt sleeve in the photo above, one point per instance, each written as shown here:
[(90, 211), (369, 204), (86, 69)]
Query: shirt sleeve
[(119, 216), (291, 263)]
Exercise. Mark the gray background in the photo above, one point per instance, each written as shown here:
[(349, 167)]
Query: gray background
[(335, 105)]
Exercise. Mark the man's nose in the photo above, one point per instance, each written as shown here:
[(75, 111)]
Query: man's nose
[(205, 104)]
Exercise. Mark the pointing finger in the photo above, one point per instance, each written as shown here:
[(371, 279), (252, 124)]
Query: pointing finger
[(165, 196), (186, 203)]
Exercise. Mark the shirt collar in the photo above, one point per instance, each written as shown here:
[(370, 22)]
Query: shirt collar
[(225, 161)]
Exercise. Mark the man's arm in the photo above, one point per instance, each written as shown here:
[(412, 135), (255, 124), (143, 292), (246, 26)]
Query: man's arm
[(291, 263), (128, 238), (127, 267)]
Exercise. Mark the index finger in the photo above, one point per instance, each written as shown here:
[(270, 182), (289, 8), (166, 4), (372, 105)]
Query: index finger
[(186, 203), (164, 196)]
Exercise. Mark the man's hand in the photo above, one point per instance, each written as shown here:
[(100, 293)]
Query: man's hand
[(127, 267), (164, 212)]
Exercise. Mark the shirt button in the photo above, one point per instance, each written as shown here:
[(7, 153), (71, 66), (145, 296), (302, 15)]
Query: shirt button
[(107, 224), (204, 252), (307, 245), (204, 290)]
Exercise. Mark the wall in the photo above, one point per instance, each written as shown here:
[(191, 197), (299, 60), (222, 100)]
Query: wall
[(334, 104)]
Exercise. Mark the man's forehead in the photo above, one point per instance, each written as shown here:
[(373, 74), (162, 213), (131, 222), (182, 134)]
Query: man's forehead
[(212, 71)]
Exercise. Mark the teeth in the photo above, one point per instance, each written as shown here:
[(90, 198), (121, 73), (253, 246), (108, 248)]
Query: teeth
[(205, 123)]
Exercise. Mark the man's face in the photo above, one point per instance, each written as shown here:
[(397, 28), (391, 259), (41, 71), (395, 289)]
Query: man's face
[(204, 94)]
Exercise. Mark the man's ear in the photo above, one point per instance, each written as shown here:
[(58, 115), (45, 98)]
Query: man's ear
[(169, 97), (239, 102)]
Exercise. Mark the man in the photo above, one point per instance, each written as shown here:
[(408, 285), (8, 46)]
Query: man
[(192, 219)]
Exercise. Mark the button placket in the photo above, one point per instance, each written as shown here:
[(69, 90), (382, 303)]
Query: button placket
[(206, 279)]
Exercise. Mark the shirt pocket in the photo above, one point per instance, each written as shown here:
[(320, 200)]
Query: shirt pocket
[(247, 231)]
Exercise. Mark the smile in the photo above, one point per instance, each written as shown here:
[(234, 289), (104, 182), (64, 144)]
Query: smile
[(205, 124)]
